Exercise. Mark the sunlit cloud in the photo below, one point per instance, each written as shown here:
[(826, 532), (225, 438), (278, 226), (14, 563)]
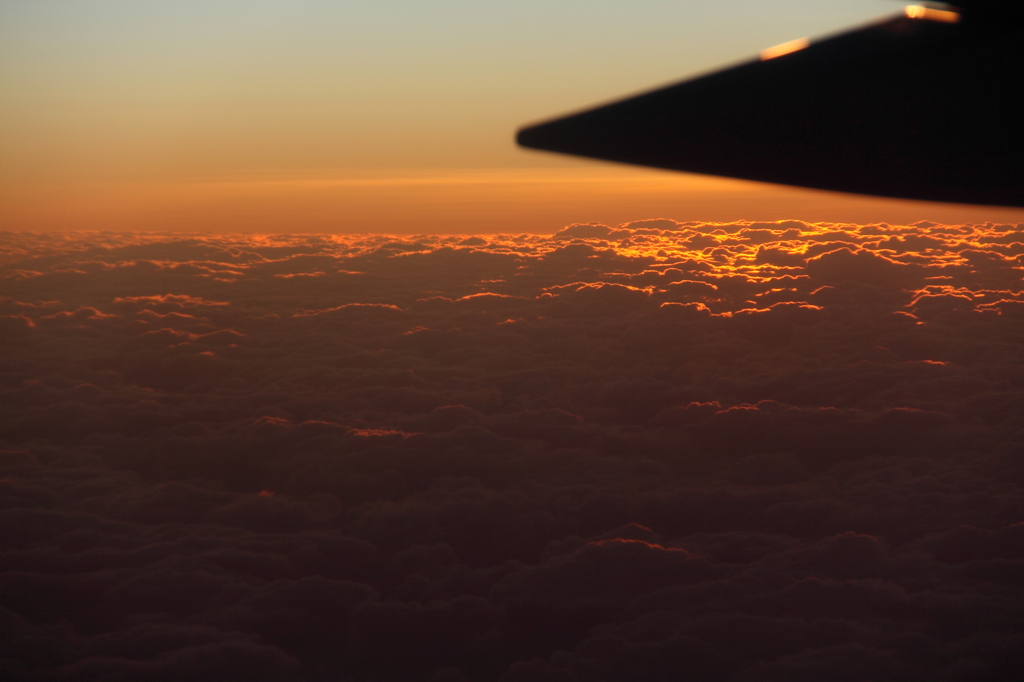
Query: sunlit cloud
[(505, 456)]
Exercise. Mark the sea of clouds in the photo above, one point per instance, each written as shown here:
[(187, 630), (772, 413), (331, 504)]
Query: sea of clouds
[(662, 451)]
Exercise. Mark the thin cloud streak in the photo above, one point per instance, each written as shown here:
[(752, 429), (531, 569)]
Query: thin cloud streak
[(439, 201)]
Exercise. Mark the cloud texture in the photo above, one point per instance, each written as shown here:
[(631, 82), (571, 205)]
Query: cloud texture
[(660, 451)]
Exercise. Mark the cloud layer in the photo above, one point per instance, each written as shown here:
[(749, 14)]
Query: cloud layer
[(659, 451)]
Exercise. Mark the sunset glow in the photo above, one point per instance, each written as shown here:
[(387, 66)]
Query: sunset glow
[(337, 117), (442, 201), (309, 374)]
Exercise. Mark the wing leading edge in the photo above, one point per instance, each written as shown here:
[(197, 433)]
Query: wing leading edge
[(924, 105)]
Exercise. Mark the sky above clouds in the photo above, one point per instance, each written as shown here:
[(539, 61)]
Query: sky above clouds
[(224, 86), (230, 116)]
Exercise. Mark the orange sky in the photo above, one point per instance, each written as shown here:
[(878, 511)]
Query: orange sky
[(310, 116), (470, 201)]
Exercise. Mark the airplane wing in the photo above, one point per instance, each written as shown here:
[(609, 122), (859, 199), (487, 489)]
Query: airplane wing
[(928, 105)]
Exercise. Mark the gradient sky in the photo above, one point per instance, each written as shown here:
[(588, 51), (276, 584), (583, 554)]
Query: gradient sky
[(393, 116)]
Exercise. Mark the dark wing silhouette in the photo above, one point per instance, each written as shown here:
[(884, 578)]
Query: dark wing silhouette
[(928, 104)]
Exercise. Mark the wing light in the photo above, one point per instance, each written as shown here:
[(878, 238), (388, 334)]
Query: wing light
[(930, 14), (784, 49)]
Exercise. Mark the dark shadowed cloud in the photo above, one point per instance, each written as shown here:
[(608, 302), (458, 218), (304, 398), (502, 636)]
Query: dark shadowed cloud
[(656, 451)]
